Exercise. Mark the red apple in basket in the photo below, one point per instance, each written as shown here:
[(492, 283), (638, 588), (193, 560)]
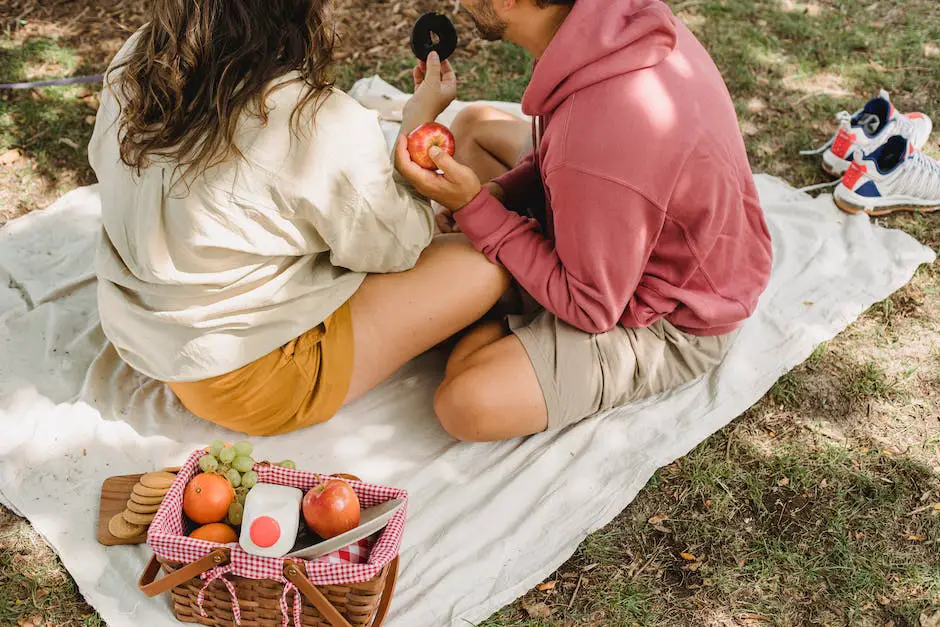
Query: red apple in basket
[(331, 508), (424, 137)]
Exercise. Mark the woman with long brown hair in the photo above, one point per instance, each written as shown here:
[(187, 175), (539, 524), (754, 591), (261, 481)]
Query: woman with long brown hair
[(259, 253)]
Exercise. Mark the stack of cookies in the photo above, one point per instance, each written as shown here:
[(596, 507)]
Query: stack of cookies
[(145, 500)]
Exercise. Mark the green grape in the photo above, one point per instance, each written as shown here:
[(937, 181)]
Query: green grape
[(243, 448), (250, 479), (216, 447), (242, 493), (243, 464), (288, 463), (227, 455), (208, 463), (236, 513), (234, 477)]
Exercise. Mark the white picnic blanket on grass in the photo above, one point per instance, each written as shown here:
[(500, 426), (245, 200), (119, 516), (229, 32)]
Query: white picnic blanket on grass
[(486, 521)]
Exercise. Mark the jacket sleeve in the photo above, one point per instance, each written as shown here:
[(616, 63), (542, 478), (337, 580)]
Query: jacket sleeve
[(604, 236), (371, 219)]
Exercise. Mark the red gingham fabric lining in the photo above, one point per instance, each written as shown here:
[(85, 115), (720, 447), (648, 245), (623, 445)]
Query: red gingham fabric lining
[(342, 567)]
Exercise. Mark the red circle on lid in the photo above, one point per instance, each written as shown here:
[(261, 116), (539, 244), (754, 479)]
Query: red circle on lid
[(265, 531)]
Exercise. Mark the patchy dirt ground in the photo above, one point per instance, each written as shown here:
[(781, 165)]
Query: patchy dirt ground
[(819, 506)]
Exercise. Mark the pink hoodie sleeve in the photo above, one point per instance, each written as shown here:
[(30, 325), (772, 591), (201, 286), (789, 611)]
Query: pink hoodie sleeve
[(522, 184), (604, 235)]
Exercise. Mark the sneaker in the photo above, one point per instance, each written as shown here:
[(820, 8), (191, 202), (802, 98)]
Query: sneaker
[(871, 126), (893, 177)]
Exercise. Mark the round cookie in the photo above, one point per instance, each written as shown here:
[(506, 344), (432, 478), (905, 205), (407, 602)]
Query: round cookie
[(134, 506), (146, 500), (423, 42), (122, 529), (137, 519), (143, 490), (158, 480)]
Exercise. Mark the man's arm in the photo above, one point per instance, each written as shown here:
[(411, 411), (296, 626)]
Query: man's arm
[(604, 235)]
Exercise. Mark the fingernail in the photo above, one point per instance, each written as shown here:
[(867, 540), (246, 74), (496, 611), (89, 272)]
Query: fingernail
[(434, 151)]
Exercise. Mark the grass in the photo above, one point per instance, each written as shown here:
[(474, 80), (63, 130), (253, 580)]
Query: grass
[(797, 537), (33, 585), (812, 508)]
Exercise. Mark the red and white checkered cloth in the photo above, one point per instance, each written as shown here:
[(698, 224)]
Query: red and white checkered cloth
[(352, 564)]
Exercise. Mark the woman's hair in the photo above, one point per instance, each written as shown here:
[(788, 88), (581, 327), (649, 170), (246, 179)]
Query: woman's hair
[(199, 64)]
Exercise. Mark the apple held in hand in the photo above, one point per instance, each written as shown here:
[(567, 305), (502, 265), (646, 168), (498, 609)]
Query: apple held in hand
[(331, 508), (424, 137)]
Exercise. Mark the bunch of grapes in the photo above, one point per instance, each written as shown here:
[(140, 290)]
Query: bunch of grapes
[(235, 463)]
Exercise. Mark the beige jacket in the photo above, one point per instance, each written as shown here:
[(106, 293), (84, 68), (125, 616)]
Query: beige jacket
[(201, 277)]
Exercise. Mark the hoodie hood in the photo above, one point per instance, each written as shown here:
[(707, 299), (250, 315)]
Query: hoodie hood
[(598, 40)]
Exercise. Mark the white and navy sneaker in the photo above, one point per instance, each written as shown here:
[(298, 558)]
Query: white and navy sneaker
[(870, 127), (894, 177)]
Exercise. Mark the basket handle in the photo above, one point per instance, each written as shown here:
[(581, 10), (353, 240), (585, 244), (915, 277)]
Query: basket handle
[(390, 580), (152, 588), (295, 574)]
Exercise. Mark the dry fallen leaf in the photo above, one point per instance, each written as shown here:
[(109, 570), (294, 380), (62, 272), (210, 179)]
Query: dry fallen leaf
[(882, 599), (783, 482), (544, 587), (916, 538), (10, 157), (931, 50), (658, 519), (928, 620), (689, 557), (537, 610)]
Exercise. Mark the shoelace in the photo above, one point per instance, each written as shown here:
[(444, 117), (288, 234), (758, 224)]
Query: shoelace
[(922, 179), (844, 118)]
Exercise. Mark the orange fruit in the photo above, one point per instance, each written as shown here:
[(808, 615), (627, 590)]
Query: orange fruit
[(207, 498), (215, 532)]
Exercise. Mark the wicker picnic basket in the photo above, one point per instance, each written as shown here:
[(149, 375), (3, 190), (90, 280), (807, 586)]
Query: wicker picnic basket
[(222, 585)]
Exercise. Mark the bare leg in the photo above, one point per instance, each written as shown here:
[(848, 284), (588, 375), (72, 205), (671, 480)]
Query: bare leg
[(489, 141), (490, 391), (397, 317)]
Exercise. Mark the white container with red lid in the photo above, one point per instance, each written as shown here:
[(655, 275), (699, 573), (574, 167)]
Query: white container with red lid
[(271, 520)]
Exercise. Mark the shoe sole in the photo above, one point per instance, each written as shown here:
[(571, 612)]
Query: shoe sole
[(850, 207)]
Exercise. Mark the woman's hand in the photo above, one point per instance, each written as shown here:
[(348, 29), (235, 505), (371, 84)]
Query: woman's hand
[(435, 89)]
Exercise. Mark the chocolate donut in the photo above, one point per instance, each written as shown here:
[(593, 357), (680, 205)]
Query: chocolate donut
[(422, 42)]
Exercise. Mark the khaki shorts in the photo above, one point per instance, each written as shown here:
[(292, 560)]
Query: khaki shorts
[(583, 374)]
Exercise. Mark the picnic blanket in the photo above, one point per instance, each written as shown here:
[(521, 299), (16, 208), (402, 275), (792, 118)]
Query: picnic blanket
[(486, 521)]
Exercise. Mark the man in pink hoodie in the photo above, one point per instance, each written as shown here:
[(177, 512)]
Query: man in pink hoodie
[(634, 221)]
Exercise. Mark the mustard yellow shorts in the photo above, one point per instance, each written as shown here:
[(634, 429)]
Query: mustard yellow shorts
[(298, 385)]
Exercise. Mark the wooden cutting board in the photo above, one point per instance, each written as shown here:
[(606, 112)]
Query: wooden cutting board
[(115, 492)]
